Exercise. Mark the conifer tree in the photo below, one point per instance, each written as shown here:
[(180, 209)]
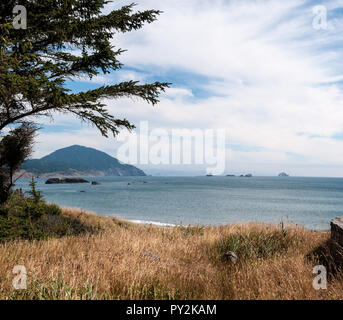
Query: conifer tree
[(62, 39), (15, 148), (66, 39)]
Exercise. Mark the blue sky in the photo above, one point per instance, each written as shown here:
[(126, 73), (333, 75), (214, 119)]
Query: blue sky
[(258, 69)]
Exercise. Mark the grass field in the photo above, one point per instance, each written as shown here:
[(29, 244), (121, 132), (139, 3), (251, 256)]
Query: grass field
[(115, 259)]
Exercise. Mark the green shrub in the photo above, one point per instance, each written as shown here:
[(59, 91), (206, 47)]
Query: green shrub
[(256, 244), (53, 209), (25, 207), (31, 218), (35, 194), (191, 230)]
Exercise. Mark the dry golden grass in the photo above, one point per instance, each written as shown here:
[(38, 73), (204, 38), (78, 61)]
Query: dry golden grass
[(128, 261)]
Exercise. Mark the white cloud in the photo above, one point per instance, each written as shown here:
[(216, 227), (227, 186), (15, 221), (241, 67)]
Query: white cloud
[(271, 80)]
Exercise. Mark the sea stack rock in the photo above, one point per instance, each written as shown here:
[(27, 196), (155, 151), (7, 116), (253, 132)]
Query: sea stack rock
[(65, 180), (283, 174), (53, 181)]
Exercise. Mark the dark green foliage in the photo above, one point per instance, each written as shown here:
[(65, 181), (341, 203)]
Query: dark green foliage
[(15, 148), (25, 218), (330, 255), (59, 226), (5, 186), (64, 39), (24, 207), (53, 209), (35, 194), (36, 62)]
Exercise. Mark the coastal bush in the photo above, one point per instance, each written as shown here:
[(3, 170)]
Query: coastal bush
[(256, 244), (25, 207), (53, 209), (53, 226), (31, 218), (191, 230), (330, 255)]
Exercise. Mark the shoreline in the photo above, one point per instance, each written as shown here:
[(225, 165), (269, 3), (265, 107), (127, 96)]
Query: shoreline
[(236, 201), (173, 225)]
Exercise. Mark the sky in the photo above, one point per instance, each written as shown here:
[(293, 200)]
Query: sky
[(269, 73)]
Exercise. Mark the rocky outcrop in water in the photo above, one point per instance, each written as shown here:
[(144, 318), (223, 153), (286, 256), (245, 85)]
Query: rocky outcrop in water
[(65, 180), (283, 174)]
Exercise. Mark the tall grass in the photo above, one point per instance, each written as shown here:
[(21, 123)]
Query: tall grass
[(113, 263)]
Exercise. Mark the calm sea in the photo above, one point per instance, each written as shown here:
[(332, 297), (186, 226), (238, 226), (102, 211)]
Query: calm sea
[(311, 202)]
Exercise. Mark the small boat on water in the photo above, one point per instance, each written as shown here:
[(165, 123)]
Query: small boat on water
[(209, 175)]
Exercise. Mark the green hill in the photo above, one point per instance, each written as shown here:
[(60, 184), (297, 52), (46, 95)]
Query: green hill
[(79, 160)]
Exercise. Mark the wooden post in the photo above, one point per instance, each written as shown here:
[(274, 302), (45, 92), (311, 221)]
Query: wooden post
[(337, 230)]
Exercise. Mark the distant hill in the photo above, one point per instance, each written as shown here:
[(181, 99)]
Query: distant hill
[(79, 161)]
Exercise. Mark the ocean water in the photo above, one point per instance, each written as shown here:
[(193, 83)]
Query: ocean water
[(311, 202)]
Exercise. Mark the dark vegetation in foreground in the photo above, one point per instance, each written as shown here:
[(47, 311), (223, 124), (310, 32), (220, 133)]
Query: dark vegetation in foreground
[(32, 218)]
